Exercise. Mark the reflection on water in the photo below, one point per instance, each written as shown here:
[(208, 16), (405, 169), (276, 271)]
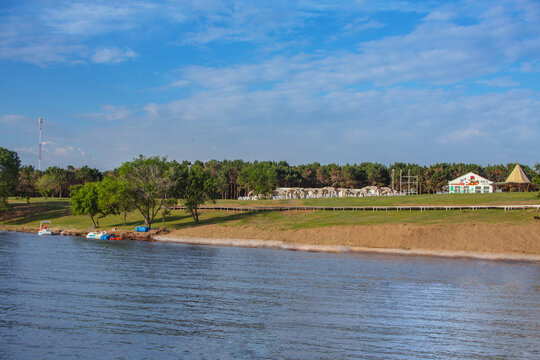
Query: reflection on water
[(69, 296)]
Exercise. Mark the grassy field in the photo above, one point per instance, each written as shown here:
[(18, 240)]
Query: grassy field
[(446, 199), (58, 211)]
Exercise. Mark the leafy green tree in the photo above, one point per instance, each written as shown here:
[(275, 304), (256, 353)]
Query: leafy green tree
[(9, 174), (96, 199), (149, 183), (87, 174), (58, 180), (323, 176), (168, 206), (110, 196), (85, 201), (536, 178), (230, 172), (377, 174), (46, 185), (309, 174), (125, 204), (27, 186), (260, 177), (353, 176), (198, 187)]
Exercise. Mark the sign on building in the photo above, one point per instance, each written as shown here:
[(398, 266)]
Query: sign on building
[(470, 183)]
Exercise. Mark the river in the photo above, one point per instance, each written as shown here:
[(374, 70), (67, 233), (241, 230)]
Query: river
[(70, 297)]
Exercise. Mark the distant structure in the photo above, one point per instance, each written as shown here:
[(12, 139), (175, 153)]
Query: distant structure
[(319, 193), (470, 183), (517, 181), (40, 120), (408, 184)]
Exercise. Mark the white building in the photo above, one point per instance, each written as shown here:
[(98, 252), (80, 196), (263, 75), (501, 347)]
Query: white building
[(470, 183)]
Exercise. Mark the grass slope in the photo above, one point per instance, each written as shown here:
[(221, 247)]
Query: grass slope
[(58, 211), (446, 199)]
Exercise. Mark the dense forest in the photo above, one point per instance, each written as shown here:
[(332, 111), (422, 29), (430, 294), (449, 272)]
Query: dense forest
[(234, 178)]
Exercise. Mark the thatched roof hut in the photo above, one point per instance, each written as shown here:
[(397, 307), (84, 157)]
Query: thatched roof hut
[(516, 181)]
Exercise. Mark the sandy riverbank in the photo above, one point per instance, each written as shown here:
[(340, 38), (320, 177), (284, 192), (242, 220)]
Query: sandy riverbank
[(482, 241), (485, 241)]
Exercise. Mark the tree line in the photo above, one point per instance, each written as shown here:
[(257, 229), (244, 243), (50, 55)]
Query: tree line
[(147, 185), (150, 184)]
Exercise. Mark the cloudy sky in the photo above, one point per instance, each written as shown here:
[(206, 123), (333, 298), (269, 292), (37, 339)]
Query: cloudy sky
[(302, 81)]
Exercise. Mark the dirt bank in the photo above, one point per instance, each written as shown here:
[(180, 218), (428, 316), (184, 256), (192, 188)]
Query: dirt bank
[(124, 234), (481, 240), (485, 241)]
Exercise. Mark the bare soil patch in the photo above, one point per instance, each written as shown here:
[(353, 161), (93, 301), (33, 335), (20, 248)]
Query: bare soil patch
[(485, 238)]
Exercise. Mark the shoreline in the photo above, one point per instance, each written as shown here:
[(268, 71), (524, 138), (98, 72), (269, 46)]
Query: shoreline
[(477, 241), (125, 234), (281, 245)]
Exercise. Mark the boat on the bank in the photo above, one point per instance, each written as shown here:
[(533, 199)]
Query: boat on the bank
[(43, 228), (101, 235)]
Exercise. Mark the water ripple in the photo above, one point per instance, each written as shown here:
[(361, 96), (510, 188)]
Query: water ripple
[(78, 298)]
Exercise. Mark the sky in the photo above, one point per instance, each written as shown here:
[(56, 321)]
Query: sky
[(301, 81)]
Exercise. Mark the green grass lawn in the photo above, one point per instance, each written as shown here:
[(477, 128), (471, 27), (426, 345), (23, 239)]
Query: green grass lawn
[(445, 199), (58, 211), (302, 220)]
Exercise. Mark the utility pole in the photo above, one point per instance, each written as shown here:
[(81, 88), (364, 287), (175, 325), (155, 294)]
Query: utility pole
[(400, 176), (409, 182)]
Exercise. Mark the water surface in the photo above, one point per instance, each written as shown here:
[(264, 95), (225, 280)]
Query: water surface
[(70, 297)]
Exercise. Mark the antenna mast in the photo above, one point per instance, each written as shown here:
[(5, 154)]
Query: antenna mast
[(40, 120)]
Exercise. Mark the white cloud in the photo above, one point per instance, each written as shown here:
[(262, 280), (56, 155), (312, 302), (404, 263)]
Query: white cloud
[(11, 119), (499, 82), (437, 51), (20, 123), (47, 33), (64, 151), (109, 113), (113, 55), (27, 150), (94, 17), (530, 67), (291, 122), (461, 136), (361, 24)]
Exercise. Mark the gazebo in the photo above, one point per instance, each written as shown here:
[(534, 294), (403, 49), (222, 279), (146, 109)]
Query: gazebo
[(516, 181)]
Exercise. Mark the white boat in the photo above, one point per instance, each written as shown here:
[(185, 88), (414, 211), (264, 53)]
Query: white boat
[(103, 235), (43, 228)]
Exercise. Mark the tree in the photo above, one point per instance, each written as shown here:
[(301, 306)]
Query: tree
[(46, 185), (377, 174), (198, 187), (86, 174), (96, 199), (150, 182), (260, 177), (58, 180), (536, 178), (85, 201), (9, 174), (27, 182), (323, 176), (168, 206), (336, 176), (123, 199)]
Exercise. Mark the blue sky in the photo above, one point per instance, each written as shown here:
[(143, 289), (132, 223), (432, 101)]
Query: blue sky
[(304, 81)]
